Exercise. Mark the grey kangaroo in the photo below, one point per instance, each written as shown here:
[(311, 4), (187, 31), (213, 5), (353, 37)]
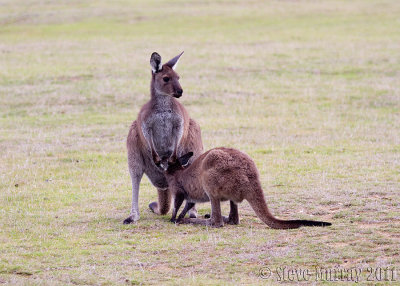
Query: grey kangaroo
[(217, 175), (165, 123)]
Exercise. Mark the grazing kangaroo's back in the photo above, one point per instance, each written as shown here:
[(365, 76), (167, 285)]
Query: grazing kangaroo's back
[(164, 123), (226, 174)]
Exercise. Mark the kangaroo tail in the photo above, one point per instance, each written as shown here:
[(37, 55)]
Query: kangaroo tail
[(257, 202)]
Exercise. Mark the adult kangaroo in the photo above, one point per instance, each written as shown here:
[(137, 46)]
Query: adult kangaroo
[(217, 175), (164, 123)]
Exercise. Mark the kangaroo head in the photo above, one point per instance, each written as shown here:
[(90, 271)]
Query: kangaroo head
[(164, 78), (173, 164), (179, 163)]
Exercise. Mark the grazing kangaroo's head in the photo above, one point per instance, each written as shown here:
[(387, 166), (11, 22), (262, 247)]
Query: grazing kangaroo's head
[(165, 81), (174, 164), (179, 164)]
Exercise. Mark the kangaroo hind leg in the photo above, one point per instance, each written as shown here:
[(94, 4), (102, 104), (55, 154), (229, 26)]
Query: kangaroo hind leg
[(233, 214), (164, 202), (216, 219)]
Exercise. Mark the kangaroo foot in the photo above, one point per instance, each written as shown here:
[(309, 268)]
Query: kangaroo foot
[(192, 210), (131, 219), (193, 213), (128, 220), (230, 220), (183, 221), (154, 207), (212, 223), (160, 209), (200, 221)]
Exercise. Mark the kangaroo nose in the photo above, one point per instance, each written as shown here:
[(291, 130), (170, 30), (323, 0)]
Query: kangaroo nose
[(179, 91)]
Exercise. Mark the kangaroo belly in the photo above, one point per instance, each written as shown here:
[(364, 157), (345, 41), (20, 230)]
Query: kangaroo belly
[(202, 199), (155, 175), (195, 193), (163, 137)]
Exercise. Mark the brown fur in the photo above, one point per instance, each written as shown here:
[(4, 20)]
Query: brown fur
[(224, 174)]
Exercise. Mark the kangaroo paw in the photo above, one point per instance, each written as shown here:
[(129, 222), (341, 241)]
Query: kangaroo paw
[(212, 223), (184, 221), (229, 220), (193, 212), (154, 207), (130, 219)]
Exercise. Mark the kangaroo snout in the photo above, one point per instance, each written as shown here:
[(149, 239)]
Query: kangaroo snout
[(163, 165), (178, 93)]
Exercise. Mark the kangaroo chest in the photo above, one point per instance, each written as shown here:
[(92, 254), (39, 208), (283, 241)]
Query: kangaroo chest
[(165, 126)]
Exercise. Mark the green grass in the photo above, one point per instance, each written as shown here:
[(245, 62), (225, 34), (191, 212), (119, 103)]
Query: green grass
[(309, 89)]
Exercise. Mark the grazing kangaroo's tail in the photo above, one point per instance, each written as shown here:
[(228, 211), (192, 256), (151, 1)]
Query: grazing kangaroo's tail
[(257, 202)]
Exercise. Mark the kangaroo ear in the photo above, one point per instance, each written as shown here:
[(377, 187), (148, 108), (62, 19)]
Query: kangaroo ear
[(155, 62), (184, 160), (173, 63)]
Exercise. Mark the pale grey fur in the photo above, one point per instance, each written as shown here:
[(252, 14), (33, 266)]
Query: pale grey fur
[(165, 128)]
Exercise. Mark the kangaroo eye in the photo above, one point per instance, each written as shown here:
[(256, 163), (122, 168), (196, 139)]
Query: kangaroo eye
[(166, 79)]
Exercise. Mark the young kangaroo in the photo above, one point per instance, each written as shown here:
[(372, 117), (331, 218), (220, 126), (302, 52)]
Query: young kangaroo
[(166, 123), (217, 175)]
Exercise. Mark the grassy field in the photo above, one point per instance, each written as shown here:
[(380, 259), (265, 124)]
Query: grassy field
[(309, 89)]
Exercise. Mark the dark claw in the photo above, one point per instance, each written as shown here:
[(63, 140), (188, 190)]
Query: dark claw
[(128, 220)]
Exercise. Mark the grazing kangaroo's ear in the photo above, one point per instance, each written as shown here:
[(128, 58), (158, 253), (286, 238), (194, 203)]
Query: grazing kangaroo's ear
[(155, 62), (184, 160), (173, 63)]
